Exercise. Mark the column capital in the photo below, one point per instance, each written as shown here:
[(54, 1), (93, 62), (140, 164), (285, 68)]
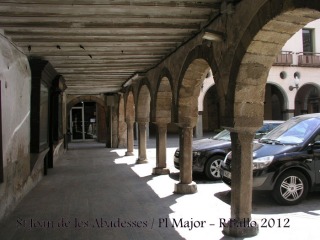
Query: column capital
[(142, 123), (183, 125), (129, 121), (142, 120)]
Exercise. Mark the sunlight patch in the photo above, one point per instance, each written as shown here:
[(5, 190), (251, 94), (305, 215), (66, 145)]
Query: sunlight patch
[(142, 170), (162, 186)]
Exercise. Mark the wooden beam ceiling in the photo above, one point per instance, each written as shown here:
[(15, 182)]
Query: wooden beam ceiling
[(98, 45)]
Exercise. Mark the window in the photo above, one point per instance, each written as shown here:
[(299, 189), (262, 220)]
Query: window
[(307, 39)]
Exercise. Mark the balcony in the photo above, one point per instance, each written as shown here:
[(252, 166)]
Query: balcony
[(308, 59), (283, 59)]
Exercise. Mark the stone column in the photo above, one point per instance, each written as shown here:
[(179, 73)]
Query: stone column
[(186, 185), (240, 224), (161, 161), (199, 126), (129, 138), (142, 141)]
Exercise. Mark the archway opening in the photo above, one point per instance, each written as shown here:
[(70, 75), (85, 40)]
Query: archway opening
[(189, 92), (86, 121), (307, 100), (163, 103), (274, 103)]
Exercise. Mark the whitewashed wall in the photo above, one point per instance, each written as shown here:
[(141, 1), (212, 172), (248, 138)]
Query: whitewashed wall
[(15, 76)]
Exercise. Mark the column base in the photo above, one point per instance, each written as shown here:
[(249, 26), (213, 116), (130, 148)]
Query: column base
[(141, 161), (129, 153), (183, 188), (160, 171), (241, 228)]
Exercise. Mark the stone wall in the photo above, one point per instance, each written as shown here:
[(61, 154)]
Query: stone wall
[(15, 77)]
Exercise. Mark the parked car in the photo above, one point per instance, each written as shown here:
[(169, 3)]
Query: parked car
[(209, 153), (286, 161)]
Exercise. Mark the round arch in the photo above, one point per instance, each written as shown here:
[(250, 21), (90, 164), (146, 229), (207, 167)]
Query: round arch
[(129, 107), (263, 39), (164, 99), (89, 130), (307, 99), (198, 62), (143, 102), (78, 99), (275, 102)]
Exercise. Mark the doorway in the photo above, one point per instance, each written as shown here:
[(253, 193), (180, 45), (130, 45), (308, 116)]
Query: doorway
[(83, 121)]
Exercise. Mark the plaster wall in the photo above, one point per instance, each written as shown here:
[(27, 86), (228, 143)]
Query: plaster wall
[(207, 83), (15, 76), (295, 44), (308, 75)]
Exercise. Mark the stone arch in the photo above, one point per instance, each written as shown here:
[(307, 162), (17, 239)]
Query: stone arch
[(307, 99), (198, 62), (262, 40), (163, 98), (78, 99), (275, 103), (100, 113), (143, 103), (129, 107)]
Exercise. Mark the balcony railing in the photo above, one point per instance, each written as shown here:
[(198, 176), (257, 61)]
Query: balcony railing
[(284, 59), (308, 59)]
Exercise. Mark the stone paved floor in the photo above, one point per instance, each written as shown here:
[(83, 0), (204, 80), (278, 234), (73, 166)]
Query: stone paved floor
[(98, 193)]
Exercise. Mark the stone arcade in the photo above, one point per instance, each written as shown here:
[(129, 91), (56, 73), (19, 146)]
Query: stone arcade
[(246, 37)]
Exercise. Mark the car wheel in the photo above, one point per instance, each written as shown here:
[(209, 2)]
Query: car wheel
[(291, 188), (212, 167)]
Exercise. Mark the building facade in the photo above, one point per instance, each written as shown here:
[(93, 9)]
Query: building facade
[(292, 87)]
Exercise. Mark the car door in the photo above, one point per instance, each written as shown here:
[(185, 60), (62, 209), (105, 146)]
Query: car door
[(316, 159)]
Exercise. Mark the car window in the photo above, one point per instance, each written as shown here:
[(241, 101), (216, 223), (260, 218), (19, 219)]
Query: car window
[(223, 135), (293, 131), (317, 138), (266, 127)]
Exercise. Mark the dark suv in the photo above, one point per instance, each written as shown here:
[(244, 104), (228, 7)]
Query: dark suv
[(286, 161), (209, 153)]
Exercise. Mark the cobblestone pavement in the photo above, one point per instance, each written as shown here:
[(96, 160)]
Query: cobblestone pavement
[(98, 193)]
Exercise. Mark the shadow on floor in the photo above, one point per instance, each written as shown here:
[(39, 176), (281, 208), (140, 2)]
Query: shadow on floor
[(88, 196)]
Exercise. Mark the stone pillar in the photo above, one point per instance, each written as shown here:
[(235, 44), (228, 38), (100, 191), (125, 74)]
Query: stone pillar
[(142, 141), (161, 161), (129, 138), (186, 185), (240, 224), (199, 126)]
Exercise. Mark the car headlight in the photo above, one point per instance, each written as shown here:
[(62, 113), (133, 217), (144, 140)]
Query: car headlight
[(263, 162)]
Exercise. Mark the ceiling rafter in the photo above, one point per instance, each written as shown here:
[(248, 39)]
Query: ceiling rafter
[(97, 45)]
